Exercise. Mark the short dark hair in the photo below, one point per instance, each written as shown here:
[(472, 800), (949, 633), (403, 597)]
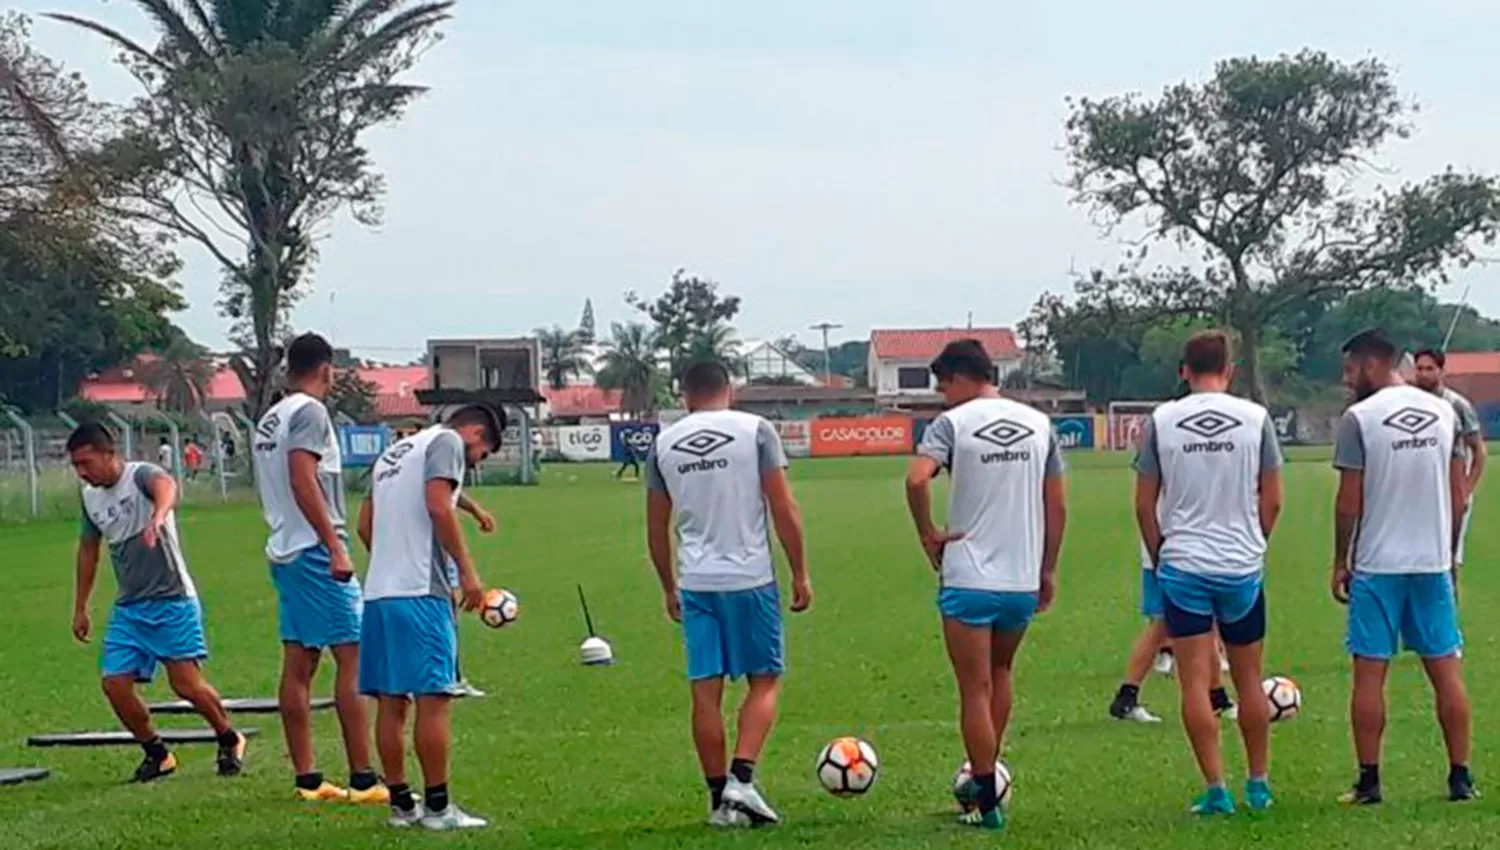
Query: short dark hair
[(1438, 357), (1207, 353), (492, 418), (91, 435), (965, 357), (705, 378), (1371, 345), (307, 353)]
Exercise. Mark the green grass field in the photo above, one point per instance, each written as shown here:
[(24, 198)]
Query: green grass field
[(563, 756)]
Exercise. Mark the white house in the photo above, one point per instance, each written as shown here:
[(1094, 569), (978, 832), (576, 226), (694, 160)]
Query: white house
[(765, 361), (899, 359)]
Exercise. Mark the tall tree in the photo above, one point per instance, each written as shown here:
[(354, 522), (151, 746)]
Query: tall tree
[(563, 356), (353, 396), (587, 333), (631, 358), (689, 318), (247, 139), (1255, 170)]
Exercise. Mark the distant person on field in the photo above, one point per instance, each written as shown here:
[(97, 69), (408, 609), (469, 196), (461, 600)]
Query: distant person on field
[(156, 618), (1401, 501), (164, 456), (192, 457), (997, 558), (1208, 493), (719, 476), (1431, 366), (419, 563), (632, 457), (300, 479)]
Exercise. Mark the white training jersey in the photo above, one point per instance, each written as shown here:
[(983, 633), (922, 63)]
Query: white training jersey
[(998, 453), (1403, 439), (298, 422), (710, 463), (406, 558), (1209, 450), (118, 515)]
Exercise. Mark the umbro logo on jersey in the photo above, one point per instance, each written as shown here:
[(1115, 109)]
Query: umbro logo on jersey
[(1412, 421), (1209, 424), (1005, 433), (700, 444)]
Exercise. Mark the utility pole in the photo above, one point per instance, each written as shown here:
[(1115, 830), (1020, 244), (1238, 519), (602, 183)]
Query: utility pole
[(825, 327)]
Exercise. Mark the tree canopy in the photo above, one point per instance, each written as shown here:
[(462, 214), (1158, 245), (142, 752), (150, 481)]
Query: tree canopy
[(691, 321)]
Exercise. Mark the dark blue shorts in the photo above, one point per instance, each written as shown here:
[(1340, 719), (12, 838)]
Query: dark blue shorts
[(1195, 602)]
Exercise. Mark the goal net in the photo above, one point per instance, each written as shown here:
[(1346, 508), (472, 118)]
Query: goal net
[(1126, 422)]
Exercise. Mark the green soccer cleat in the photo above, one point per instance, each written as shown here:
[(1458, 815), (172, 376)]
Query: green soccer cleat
[(1258, 795), (994, 819), (1215, 801)]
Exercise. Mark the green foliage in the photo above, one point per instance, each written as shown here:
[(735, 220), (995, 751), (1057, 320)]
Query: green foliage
[(563, 355), (587, 333), (631, 365), (691, 322), (1254, 170), (353, 396)]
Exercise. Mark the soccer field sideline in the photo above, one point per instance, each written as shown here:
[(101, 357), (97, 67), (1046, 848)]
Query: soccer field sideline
[(866, 661)]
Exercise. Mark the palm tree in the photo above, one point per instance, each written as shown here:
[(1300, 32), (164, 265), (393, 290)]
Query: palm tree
[(178, 375), (563, 356), (632, 365)]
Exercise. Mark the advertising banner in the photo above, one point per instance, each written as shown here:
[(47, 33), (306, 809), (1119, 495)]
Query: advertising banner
[(1285, 420), (864, 435), (362, 445), (796, 436), (632, 436), (1074, 432), (583, 442)]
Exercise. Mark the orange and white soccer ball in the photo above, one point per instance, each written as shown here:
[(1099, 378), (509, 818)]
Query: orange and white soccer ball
[(1284, 696), (848, 767), (967, 795), (500, 608)]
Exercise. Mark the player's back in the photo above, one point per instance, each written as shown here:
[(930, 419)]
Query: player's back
[(710, 463), (1209, 450), (120, 514), (297, 422), (1001, 452), (1404, 438), (406, 558)]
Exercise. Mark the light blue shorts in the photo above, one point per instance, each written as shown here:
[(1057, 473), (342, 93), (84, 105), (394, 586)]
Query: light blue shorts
[(1414, 610), (999, 611), (315, 611), (1152, 605), (408, 647), (143, 634), (733, 633), (1226, 598)]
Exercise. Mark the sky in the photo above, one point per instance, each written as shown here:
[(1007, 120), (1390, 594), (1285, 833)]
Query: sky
[(876, 163)]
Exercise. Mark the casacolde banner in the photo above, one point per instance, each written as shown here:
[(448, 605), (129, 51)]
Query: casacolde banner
[(863, 435)]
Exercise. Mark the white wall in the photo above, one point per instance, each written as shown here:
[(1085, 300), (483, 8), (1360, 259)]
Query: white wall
[(885, 383)]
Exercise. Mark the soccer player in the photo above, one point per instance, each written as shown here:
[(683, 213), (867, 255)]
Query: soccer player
[(721, 472), (1429, 376), (997, 558), (418, 563), (1401, 500), (156, 618), (299, 474), (1207, 496)]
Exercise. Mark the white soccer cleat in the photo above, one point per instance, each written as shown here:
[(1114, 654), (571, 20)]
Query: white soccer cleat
[(745, 798), (464, 689), (1231, 713), (1163, 664), (1139, 714), (1223, 664), (452, 818), (405, 820), (727, 817)]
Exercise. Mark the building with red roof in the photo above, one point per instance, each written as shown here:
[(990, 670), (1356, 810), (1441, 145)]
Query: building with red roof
[(899, 358)]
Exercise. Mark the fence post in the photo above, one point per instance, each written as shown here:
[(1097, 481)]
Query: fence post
[(126, 430), (30, 436), (172, 429), (527, 472), (67, 420), (213, 434), (249, 425)]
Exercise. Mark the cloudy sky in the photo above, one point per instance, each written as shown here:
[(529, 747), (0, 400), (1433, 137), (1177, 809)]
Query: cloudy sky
[(877, 163)]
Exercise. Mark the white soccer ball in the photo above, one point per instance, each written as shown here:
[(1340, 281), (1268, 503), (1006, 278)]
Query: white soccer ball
[(500, 608), (848, 767), (1284, 696), (967, 793)]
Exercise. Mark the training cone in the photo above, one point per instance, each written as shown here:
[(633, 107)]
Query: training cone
[(595, 652)]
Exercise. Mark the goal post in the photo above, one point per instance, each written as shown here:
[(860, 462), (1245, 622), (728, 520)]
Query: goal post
[(1125, 422)]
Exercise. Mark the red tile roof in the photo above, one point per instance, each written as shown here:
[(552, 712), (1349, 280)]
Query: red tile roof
[(582, 401), (1473, 363), (396, 390), (927, 343)]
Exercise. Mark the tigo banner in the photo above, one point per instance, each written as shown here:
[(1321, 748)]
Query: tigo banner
[(634, 437), (1074, 432), (864, 435), (583, 442), (796, 436)]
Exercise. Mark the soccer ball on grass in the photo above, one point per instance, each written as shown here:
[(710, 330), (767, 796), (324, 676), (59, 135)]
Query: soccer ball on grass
[(967, 793), (848, 767), (1284, 696)]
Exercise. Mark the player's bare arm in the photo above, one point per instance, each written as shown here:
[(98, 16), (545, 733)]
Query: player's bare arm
[(485, 519), (1479, 454), (366, 526), (1458, 493), (302, 467), (786, 516), (1147, 493), (1055, 519), (87, 571), (919, 501), (450, 536), (1269, 501), (1349, 505), (162, 489), (659, 543)]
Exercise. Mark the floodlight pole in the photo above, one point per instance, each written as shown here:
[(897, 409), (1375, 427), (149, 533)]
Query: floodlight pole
[(31, 474), (825, 327)]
